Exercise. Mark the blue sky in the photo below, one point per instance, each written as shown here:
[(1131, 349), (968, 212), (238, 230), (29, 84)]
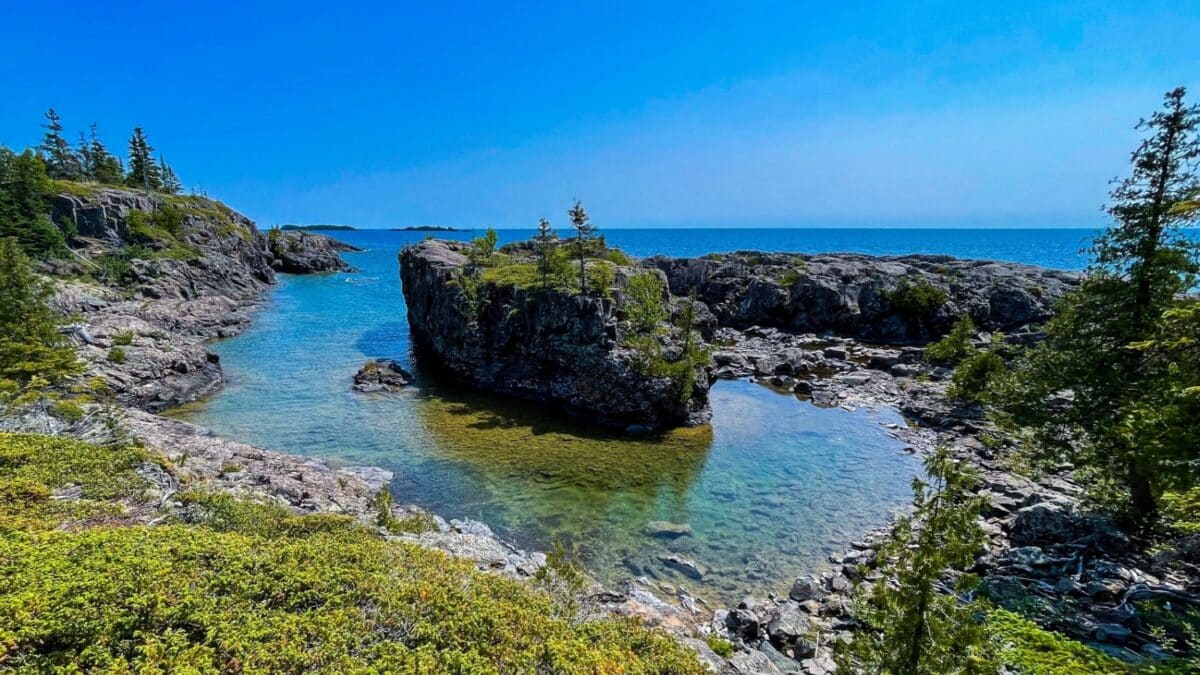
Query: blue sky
[(655, 114)]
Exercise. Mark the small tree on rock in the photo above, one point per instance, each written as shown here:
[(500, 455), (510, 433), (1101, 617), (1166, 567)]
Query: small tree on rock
[(61, 160), (170, 182), (143, 170), (105, 168), (543, 245), (585, 231)]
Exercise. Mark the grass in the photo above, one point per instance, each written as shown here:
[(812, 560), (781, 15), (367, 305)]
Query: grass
[(240, 586), (116, 355)]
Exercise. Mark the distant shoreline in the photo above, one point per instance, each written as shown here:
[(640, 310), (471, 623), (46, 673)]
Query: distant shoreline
[(351, 228)]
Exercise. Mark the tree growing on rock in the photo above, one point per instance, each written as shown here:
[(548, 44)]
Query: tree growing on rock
[(25, 205), (103, 166), (543, 246), (585, 231), (1109, 415), (170, 181), (33, 354), (61, 161), (143, 170), (915, 618)]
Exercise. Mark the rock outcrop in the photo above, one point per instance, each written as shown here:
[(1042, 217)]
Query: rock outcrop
[(381, 375), (152, 278), (898, 299), (551, 346), (300, 252)]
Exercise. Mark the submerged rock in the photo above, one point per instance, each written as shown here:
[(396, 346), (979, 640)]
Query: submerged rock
[(689, 568), (381, 375)]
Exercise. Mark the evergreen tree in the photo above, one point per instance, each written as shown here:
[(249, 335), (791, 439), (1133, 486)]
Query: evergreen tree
[(170, 182), (143, 170), (543, 244), (1111, 422), (87, 164), (33, 354), (909, 626), (105, 167), (61, 161), (25, 205), (585, 231)]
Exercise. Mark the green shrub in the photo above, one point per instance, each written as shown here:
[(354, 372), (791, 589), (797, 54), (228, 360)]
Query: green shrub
[(792, 275), (916, 299), (116, 355), (720, 646), (414, 523), (955, 346), (644, 308), (1181, 510), (32, 467), (974, 377), (1025, 647), (123, 338), (617, 257)]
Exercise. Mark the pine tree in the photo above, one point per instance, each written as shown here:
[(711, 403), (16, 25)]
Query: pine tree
[(25, 205), (909, 626), (170, 182), (143, 170), (1112, 424), (543, 244), (61, 161), (33, 354), (585, 231), (105, 167), (87, 163)]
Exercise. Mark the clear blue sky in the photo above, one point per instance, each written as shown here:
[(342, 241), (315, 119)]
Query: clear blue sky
[(655, 114)]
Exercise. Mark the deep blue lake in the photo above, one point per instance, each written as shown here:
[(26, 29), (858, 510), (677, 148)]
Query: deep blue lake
[(769, 490)]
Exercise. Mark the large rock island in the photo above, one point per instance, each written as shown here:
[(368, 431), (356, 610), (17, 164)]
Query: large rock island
[(493, 324)]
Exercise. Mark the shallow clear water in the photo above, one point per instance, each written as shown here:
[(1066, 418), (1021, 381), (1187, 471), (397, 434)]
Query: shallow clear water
[(768, 491)]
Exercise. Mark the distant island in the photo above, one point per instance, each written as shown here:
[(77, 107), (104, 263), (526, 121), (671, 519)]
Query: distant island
[(425, 228), (312, 228)]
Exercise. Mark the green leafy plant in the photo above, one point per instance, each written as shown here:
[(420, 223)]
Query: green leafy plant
[(956, 346), (116, 355)]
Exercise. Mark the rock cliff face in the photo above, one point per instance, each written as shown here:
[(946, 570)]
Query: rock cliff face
[(553, 347), (885, 299), (300, 252), (152, 278)]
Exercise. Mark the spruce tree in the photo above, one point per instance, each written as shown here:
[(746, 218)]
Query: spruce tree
[(913, 620), (87, 164), (585, 231), (61, 161), (1110, 420), (25, 205), (543, 244), (170, 182), (105, 167), (143, 170), (33, 354)]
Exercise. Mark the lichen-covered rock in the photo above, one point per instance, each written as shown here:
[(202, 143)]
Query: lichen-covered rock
[(551, 346), (300, 252), (888, 299)]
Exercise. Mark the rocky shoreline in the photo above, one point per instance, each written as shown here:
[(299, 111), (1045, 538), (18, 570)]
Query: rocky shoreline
[(797, 323)]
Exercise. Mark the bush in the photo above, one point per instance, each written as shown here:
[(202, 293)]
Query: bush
[(123, 338), (973, 378), (1025, 647), (116, 355), (644, 307), (720, 646), (916, 299), (954, 347)]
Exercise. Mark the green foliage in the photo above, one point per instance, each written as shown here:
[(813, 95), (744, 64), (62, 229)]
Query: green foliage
[(25, 205), (1181, 511), (563, 580), (33, 467), (585, 232), (909, 627), (917, 300), (123, 338), (1119, 353), (61, 161), (116, 355), (483, 248), (617, 257), (720, 646), (415, 523), (33, 354), (114, 268), (792, 275), (245, 586), (955, 346), (644, 307), (693, 354), (143, 172), (976, 376), (162, 230), (1022, 646), (600, 277)]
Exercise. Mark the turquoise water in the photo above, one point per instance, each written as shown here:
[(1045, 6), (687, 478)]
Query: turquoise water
[(768, 491)]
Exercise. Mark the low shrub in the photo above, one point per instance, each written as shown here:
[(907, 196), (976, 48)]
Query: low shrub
[(975, 375), (916, 299), (955, 347), (123, 338), (116, 355)]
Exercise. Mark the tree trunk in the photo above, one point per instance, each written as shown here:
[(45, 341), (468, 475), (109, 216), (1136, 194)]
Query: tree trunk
[(1145, 506)]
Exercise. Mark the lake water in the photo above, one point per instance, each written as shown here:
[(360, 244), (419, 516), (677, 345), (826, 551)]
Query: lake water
[(768, 490)]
